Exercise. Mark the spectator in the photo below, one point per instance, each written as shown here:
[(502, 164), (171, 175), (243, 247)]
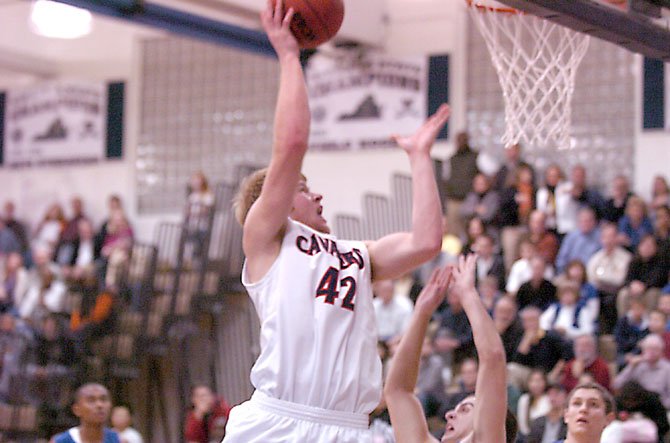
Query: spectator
[(116, 248), (584, 195), (550, 427), (474, 228), (14, 348), (80, 270), (207, 419), (482, 201), (615, 207), (664, 307), (567, 317), (392, 311), (13, 283), (121, 423), (8, 241), (534, 403), (489, 292), (516, 204), (538, 291), (521, 271), (93, 319), (18, 227), (46, 291), (635, 224), (649, 369), (429, 383), (465, 384), (506, 175), (630, 329), (633, 398), (537, 348), (662, 234), (462, 170), (507, 324), (575, 274), (589, 410), (607, 273), (49, 229), (581, 243), (92, 405), (586, 361), (545, 241), (454, 337), (646, 275), (70, 233), (660, 193), (547, 198), (114, 205), (489, 263), (657, 325), (199, 208)]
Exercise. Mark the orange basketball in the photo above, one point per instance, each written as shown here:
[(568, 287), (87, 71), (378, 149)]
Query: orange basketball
[(315, 21)]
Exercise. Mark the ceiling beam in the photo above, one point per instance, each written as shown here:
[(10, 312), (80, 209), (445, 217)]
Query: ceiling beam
[(632, 31)]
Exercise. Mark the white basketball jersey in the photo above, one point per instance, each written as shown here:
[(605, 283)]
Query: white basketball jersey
[(318, 329)]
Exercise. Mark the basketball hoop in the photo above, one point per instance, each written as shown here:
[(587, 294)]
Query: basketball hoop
[(536, 61)]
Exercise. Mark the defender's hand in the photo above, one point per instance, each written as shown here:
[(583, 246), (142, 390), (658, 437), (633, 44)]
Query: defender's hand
[(422, 140)]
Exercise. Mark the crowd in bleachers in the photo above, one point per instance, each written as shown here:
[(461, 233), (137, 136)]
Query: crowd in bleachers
[(576, 280)]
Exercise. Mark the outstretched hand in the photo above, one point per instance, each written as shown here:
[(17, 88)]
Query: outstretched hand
[(464, 276), (277, 24), (433, 293), (422, 140)]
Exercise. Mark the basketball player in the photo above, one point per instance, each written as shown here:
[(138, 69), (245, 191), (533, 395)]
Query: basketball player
[(589, 410), (479, 418), (92, 406), (318, 375)]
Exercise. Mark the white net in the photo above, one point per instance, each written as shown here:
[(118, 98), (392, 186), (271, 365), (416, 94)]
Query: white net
[(536, 62)]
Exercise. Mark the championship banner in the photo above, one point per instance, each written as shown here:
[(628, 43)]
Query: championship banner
[(55, 123), (358, 100)]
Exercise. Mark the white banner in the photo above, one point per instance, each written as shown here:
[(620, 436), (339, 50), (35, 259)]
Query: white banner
[(53, 123), (359, 99)]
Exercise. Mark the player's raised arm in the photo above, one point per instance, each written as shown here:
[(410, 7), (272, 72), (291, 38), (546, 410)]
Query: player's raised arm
[(395, 254), (407, 416), (267, 217), (490, 407)]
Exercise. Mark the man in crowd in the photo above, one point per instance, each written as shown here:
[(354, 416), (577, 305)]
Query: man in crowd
[(581, 243), (392, 311), (586, 361), (462, 170)]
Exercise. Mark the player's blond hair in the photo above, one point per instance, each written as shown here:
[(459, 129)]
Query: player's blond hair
[(249, 191)]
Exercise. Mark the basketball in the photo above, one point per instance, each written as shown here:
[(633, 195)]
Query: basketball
[(315, 21)]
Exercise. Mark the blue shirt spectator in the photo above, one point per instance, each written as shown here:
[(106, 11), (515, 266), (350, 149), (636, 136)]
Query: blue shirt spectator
[(582, 243)]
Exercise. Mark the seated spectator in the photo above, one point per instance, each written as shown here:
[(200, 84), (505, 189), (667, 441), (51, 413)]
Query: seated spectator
[(473, 229), (657, 325), (466, 382), (8, 241), (121, 423), (93, 319), (567, 317), (664, 306), (116, 248), (207, 418), (507, 324), (482, 201), (521, 271), (635, 224), (537, 291), (46, 291), (581, 243), (14, 349), (13, 282), (586, 361), (630, 329), (429, 383), (454, 337), (516, 204), (615, 207), (489, 263), (537, 349), (662, 234), (114, 205), (534, 403), (489, 292), (633, 398), (546, 243), (49, 229), (70, 233), (19, 228), (551, 427), (91, 406), (558, 211), (507, 174), (660, 193), (649, 369), (645, 277), (80, 270), (575, 274), (581, 193), (392, 311)]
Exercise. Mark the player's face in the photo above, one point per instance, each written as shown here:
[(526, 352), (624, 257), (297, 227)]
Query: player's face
[(585, 413), (459, 421), (93, 405), (307, 208)]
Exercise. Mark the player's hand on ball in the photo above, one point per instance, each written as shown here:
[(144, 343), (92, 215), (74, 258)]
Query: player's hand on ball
[(277, 23), (422, 140)]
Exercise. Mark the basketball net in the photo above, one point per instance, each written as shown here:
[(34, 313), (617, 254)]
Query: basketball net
[(536, 62)]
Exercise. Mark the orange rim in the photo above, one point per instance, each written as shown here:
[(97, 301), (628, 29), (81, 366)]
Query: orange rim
[(485, 8)]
